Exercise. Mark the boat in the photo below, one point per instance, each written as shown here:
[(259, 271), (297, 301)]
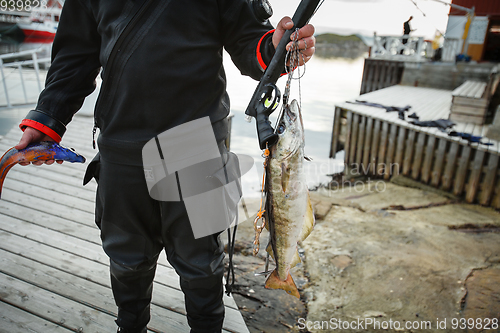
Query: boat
[(39, 24)]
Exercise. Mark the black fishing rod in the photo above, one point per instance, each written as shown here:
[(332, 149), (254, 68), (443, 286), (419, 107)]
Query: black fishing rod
[(267, 95)]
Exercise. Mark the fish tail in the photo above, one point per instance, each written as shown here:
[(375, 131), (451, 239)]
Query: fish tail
[(288, 285)]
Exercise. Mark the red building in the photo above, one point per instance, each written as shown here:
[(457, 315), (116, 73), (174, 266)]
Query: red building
[(484, 33)]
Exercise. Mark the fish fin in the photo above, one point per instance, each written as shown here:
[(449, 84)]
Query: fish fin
[(274, 282), (285, 176), (296, 259), (269, 249), (309, 222)]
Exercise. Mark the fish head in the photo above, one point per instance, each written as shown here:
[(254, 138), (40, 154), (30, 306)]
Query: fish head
[(52, 150), (69, 154), (290, 131)]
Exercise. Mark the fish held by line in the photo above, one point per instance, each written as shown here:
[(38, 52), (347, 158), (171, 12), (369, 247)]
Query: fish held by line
[(290, 217)]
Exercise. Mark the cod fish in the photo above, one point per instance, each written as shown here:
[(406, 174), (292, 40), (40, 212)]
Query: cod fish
[(290, 217), (41, 151)]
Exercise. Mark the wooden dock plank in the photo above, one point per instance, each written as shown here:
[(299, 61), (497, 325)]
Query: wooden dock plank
[(367, 143), (428, 159), (347, 144), (361, 140), (13, 319), (489, 179), (419, 150), (463, 165), (382, 149), (449, 170), (473, 183), (408, 156), (400, 150), (439, 162), (354, 139), (390, 152), (52, 307), (335, 132), (374, 147)]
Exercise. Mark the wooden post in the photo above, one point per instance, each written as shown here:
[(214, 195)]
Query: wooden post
[(463, 165), (390, 152), (367, 143), (451, 159), (489, 179), (382, 148), (335, 132), (477, 168), (417, 162), (429, 156), (354, 138), (361, 140), (410, 144), (400, 149), (347, 144), (438, 164), (374, 150)]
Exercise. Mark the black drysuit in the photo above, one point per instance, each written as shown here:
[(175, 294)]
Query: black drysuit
[(162, 67)]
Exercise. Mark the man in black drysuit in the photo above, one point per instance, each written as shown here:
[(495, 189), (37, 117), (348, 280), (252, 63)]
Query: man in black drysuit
[(161, 65)]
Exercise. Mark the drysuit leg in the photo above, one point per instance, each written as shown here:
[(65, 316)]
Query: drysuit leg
[(200, 265), (130, 227)]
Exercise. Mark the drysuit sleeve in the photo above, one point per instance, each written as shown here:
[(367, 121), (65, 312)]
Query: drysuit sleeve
[(71, 77), (246, 38)]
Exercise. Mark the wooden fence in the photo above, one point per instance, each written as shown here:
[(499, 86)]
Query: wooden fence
[(378, 74), (382, 148)]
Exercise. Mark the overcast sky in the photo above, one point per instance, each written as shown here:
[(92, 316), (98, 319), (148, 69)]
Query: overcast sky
[(386, 17)]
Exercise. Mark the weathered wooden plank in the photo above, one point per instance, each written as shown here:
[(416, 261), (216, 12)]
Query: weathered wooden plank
[(400, 149), (473, 183), (495, 203), (354, 138), (360, 141), (417, 162), (438, 163), (89, 233), (408, 156), (347, 144), (428, 159), (488, 183), (366, 77), (335, 132), (469, 110), (53, 307), (374, 148), (55, 186), (367, 144), (50, 207), (449, 170), (382, 148), (390, 152), (13, 319), (461, 175), (47, 193)]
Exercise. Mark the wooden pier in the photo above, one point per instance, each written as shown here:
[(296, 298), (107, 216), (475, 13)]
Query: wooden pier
[(379, 144), (54, 275)]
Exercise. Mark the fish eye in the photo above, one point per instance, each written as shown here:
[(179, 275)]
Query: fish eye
[(281, 129)]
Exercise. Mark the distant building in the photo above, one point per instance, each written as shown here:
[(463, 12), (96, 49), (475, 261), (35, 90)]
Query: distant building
[(484, 32)]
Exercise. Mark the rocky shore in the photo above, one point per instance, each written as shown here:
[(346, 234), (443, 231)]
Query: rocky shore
[(382, 257)]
